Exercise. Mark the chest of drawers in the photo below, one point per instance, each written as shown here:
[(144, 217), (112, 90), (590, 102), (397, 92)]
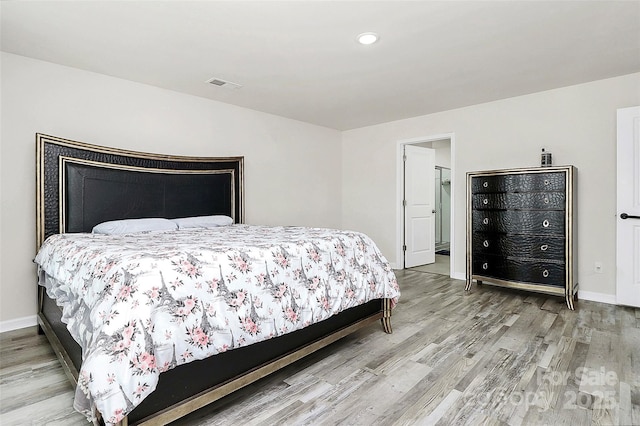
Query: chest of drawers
[(521, 227)]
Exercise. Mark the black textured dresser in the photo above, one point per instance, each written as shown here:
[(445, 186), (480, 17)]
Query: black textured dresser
[(521, 229)]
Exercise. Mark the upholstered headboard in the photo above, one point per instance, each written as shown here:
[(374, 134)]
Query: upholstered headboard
[(80, 185)]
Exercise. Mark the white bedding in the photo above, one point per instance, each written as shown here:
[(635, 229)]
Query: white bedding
[(143, 303)]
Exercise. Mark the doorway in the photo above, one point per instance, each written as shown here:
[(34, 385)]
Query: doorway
[(443, 225)]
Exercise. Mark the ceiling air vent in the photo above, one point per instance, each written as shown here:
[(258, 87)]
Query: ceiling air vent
[(223, 83)]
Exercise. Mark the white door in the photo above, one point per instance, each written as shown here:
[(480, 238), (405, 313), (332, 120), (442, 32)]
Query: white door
[(419, 211), (628, 216)]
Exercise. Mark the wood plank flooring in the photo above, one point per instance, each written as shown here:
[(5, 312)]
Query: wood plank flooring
[(486, 357)]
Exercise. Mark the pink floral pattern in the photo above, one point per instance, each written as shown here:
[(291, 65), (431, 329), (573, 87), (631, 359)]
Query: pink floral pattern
[(143, 303)]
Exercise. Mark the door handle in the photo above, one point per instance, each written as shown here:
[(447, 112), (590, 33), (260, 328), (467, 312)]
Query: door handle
[(628, 216)]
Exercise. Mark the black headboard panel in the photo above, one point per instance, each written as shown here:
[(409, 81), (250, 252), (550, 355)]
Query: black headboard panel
[(81, 185)]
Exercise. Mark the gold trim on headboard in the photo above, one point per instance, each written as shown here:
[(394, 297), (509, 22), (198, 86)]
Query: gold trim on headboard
[(39, 192), (127, 153)]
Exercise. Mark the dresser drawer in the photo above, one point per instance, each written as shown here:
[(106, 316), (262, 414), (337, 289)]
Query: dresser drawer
[(520, 270), (519, 200), (537, 222), (554, 181), (526, 246)]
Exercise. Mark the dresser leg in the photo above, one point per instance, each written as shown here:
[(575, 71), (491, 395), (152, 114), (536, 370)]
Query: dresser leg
[(570, 299), (467, 286)]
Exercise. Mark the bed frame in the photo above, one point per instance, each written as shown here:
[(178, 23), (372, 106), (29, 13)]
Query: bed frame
[(80, 185)]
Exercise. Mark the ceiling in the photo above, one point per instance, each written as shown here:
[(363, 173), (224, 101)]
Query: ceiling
[(299, 59)]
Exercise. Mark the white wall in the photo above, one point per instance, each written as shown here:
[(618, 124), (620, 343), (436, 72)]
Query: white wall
[(576, 124), (292, 169)]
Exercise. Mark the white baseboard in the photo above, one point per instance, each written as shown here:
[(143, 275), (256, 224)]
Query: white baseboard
[(459, 276), (597, 297), (18, 323)]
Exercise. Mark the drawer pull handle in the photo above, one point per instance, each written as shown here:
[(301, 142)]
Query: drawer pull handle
[(485, 220), (546, 200), (545, 273), (544, 247), (485, 201), (547, 182), (485, 184), (485, 266), (545, 223), (485, 243)]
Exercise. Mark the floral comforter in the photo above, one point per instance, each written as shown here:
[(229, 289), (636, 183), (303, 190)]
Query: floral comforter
[(140, 304)]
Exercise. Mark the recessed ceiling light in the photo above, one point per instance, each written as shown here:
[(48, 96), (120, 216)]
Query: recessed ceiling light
[(367, 38)]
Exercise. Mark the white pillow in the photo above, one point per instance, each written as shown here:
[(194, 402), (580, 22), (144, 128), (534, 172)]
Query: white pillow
[(203, 221), (129, 226)]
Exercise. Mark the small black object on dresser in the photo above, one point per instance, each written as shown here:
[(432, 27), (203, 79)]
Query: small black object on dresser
[(521, 229)]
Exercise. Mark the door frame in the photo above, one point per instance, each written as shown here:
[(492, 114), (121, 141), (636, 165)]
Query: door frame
[(400, 196)]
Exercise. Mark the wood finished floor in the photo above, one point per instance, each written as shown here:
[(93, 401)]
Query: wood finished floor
[(440, 266), (487, 357)]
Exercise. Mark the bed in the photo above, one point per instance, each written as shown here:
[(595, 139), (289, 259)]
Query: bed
[(250, 271)]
